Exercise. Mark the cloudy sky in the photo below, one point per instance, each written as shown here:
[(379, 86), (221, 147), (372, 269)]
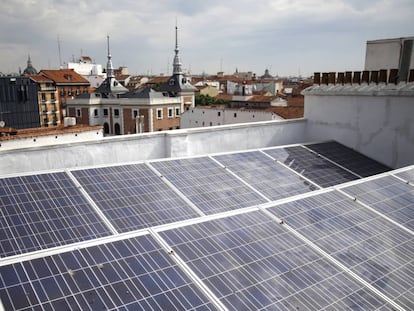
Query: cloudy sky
[(289, 37)]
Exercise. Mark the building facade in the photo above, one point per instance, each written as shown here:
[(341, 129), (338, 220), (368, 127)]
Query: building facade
[(121, 112), (48, 99), (203, 117), (69, 84), (143, 111), (19, 106)]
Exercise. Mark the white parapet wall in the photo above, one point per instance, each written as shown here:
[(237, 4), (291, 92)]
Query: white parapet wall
[(141, 147), (376, 120)]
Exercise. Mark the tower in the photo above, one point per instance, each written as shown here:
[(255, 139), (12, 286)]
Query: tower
[(178, 85), (110, 87)]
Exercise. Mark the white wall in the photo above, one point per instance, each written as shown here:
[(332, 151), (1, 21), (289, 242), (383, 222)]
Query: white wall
[(379, 125), (204, 117), (140, 147)]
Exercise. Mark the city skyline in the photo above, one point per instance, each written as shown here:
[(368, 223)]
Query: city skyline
[(286, 37)]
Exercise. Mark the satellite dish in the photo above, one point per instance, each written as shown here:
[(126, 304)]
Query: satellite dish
[(2, 124)]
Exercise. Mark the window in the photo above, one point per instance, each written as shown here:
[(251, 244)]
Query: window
[(134, 114), (77, 91), (116, 113), (211, 123), (43, 97), (170, 112), (159, 113), (95, 112), (78, 112), (218, 113), (70, 92), (62, 92), (105, 112), (52, 97), (235, 115), (177, 112)]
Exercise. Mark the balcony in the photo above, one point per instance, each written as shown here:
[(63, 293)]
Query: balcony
[(48, 89)]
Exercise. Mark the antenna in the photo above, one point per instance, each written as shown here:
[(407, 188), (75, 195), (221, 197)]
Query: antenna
[(60, 57)]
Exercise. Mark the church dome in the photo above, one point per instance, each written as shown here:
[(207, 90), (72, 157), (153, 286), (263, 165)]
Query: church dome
[(30, 70)]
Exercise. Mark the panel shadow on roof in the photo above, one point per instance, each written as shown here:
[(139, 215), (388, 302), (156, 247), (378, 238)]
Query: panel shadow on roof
[(349, 158), (209, 186), (43, 211), (132, 274), (317, 169), (264, 174), (389, 196), (375, 249), (251, 262), (133, 196)]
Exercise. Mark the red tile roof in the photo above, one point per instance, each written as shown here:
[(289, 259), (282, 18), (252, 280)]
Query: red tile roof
[(40, 78), (44, 131), (64, 76)]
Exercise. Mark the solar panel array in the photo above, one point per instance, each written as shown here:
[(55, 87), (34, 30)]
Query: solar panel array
[(133, 196), (253, 230)]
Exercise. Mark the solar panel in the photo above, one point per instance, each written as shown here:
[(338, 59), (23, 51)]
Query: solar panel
[(407, 175), (250, 262), (319, 170), (267, 176), (209, 186), (133, 196), (377, 250), (389, 196), (132, 274), (349, 158), (42, 211)]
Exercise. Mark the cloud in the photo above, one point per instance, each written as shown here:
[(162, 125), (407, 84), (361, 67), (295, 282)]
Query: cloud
[(251, 35)]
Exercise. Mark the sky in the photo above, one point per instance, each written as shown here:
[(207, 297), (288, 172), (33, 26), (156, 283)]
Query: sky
[(288, 37)]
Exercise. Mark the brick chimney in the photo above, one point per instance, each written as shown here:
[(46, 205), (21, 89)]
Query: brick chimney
[(348, 77), (374, 77), (393, 78), (382, 76), (365, 76), (317, 78), (357, 77)]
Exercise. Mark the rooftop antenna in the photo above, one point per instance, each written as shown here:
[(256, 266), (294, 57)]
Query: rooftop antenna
[(60, 57)]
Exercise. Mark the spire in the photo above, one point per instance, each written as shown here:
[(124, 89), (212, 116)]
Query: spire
[(29, 62), (177, 62), (109, 66)]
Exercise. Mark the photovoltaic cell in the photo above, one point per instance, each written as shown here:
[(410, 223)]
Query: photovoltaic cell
[(389, 196), (209, 186), (267, 176), (407, 175), (377, 250), (133, 274), (251, 262), (319, 170), (42, 211), (349, 158), (133, 196)]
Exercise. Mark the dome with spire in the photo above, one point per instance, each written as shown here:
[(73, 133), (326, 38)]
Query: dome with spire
[(30, 70)]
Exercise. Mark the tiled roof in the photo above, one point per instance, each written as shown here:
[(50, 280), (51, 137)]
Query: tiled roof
[(40, 78), (158, 80), (44, 131), (122, 77), (64, 76)]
